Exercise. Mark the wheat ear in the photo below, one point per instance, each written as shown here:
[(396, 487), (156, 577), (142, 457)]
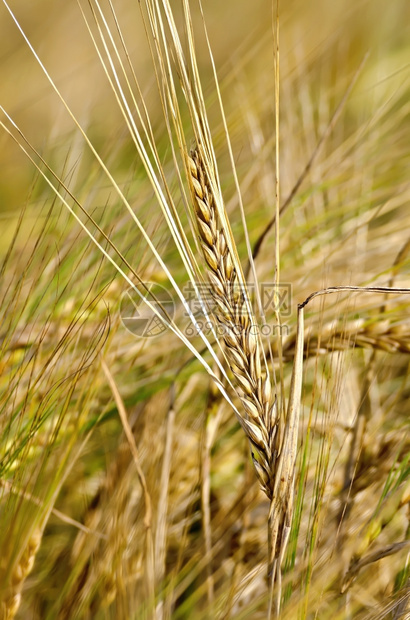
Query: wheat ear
[(382, 335), (12, 599), (238, 327)]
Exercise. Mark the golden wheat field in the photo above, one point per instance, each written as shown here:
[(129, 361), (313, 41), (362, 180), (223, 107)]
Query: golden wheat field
[(204, 310)]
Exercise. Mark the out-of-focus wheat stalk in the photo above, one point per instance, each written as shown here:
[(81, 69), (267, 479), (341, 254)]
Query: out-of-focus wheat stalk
[(383, 335), (11, 593)]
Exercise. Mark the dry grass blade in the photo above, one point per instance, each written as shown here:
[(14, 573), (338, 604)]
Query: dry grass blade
[(374, 556), (365, 289), (281, 509)]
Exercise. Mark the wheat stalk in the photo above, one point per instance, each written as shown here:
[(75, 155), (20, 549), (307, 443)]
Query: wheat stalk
[(273, 438)]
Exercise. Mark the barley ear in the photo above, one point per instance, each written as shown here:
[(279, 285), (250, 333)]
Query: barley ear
[(233, 312)]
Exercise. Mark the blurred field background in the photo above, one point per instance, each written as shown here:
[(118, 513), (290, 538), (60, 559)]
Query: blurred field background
[(75, 509)]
